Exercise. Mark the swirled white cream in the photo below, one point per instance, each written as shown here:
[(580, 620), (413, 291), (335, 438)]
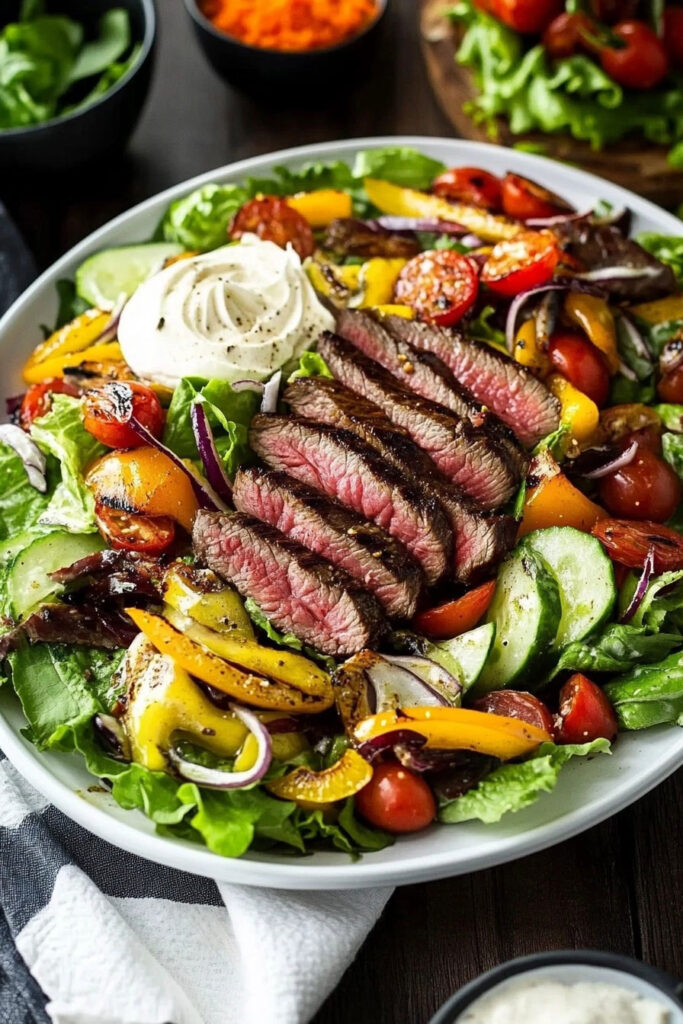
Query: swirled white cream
[(240, 311), (585, 1002)]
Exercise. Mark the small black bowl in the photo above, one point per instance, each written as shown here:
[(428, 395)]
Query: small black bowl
[(260, 71), (651, 976), (81, 138)]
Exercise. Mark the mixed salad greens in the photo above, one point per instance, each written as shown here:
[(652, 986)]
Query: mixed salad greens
[(191, 705)]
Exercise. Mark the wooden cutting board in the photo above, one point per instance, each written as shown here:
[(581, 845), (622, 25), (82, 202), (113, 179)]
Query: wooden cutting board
[(635, 164)]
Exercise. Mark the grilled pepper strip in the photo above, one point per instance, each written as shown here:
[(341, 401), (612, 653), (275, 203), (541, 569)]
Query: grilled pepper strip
[(322, 206), (342, 780), (593, 314), (458, 729), (241, 686), (556, 502), (577, 411), (75, 336), (56, 365), (527, 351)]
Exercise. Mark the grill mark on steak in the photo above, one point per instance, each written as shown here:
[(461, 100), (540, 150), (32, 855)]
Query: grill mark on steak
[(366, 552), (463, 453), (340, 465), (513, 393), (482, 539), (297, 590)]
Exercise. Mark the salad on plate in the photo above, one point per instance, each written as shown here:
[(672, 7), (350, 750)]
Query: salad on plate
[(349, 503)]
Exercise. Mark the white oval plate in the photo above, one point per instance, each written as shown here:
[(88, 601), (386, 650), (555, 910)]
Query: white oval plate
[(587, 792)]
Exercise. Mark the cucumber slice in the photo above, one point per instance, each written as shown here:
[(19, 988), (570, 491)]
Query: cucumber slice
[(103, 278), (11, 547), (469, 651), (28, 579), (585, 577), (526, 610)]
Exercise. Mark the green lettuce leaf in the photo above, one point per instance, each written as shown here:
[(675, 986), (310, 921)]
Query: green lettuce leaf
[(616, 649), (667, 248), (401, 165), (671, 416), (200, 220), (96, 55), (21, 505), (662, 606), (672, 450), (480, 327), (310, 365), (511, 787), (648, 695), (287, 181)]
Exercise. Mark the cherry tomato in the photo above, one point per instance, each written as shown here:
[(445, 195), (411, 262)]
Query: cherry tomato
[(629, 542), (396, 800), (673, 34), (580, 362), (609, 11), (274, 220), (525, 261), (523, 15), (568, 33), (457, 616), (585, 712), (38, 399), (670, 387), (439, 284), (104, 407), (517, 704), (469, 185), (642, 63), (131, 532), (647, 488), (648, 439), (524, 199)]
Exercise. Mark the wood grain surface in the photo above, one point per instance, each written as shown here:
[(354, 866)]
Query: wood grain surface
[(617, 887)]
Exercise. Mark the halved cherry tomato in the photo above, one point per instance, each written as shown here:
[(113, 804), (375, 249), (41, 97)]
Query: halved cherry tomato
[(396, 800), (469, 185), (568, 33), (143, 481), (439, 284), (585, 712), (523, 262), (524, 199), (103, 408), (580, 362), (673, 34), (629, 542), (647, 488), (457, 616), (642, 63), (523, 15), (37, 401), (151, 534), (274, 220), (517, 704), (670, 387)]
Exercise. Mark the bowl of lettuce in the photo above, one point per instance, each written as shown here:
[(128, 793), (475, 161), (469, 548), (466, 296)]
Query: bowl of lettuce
[(74, 75)]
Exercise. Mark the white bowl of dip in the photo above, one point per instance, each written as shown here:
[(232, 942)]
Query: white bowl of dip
[(567, 987)]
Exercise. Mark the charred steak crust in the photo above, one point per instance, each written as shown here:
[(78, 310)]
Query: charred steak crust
[(513, 393), (464, 454), (482, 539), (369, 554), (295, 588), (339, 464)]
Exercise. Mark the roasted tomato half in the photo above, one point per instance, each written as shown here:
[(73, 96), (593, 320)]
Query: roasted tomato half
[(469, 185), (440, 285), (106, 409), (131, 532), (585, 712), (38, 399), (524, 199), (629, 542), (274, 220), (526, 261)]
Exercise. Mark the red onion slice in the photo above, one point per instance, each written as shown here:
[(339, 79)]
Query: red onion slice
[(640, 591), (398, 225), (370, 749), (558, 219), (248, 385), (392, 686), (516, 306), (619, 273), (206, 446), (214, 778), (29, 453), (110, 329), (271, 393), (635, 336), (433, 675), (623, 459)]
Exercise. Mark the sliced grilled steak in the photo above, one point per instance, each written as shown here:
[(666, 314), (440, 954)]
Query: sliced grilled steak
[(425, 374), (337, 463), (463, 452), (510, 390), (295, 588), (481, 539), (366, 552)]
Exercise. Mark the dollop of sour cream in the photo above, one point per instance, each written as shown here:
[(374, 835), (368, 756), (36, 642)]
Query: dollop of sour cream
[(585, 1002), (241, 311)]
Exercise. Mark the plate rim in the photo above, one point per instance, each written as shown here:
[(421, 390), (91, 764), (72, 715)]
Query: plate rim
[(302, 874)]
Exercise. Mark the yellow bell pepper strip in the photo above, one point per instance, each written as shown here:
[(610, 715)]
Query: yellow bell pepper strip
[(203, 596), (322, 206), (56, 365), (556, 502), (527, 351), (458, 729), (241, 686), (143, 480), (343, 779), (336, 283), (408, 202), (394, 309), (73, 337), (578, 411), (594, 316), (661, 310), (377, 280)]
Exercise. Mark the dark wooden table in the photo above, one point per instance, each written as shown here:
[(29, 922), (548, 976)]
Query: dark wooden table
[(617, 887)]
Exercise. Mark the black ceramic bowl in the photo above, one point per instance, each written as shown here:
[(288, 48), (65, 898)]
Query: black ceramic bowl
[(279, 74), (86, 135), (571, 966)]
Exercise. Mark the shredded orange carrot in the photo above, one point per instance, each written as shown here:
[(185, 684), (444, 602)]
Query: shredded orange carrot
[(290, 24)]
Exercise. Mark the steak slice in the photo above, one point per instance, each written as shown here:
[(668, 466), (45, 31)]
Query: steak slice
[(366, 552), (463, 452), (482, 539), (513, 393), (337, 463), (425, 374), (297, 590)]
